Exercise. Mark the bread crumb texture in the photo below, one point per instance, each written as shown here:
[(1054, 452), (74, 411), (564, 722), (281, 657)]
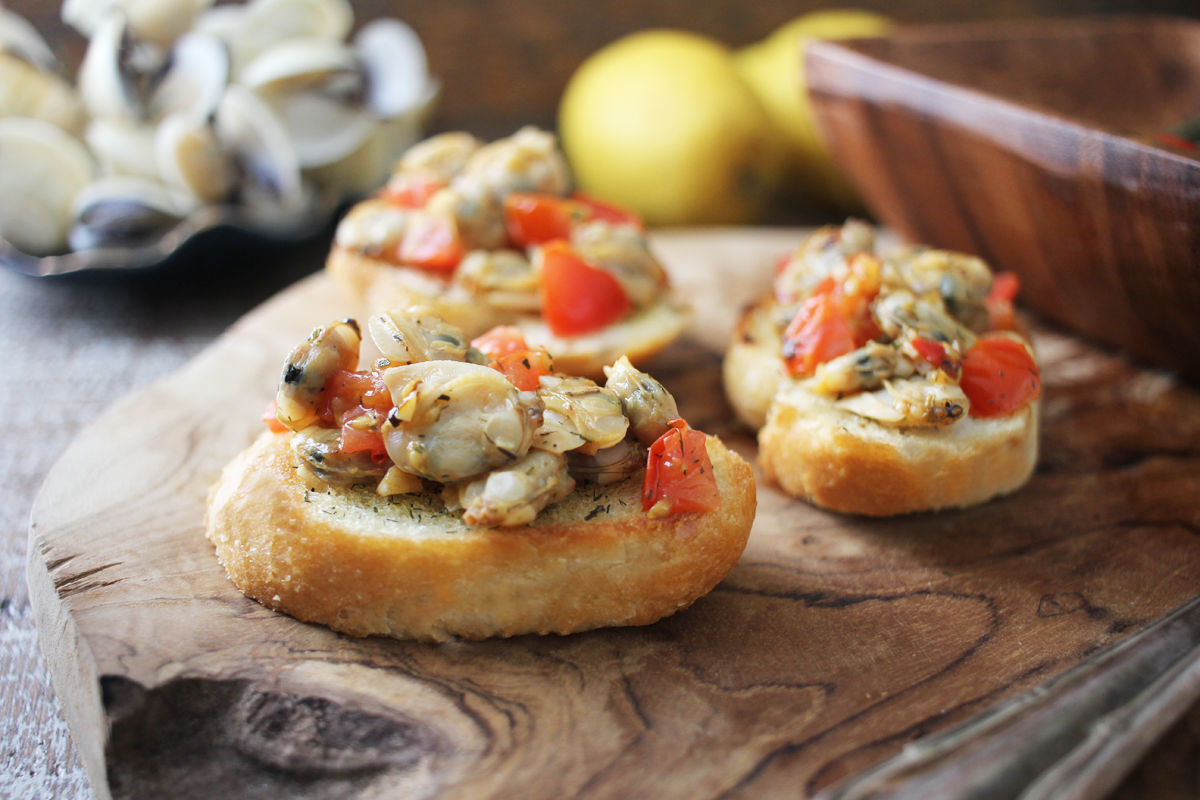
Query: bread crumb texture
[(405, 567)]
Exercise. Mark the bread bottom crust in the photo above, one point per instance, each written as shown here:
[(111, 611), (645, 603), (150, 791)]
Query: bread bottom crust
[(403, 567), (843, 462)]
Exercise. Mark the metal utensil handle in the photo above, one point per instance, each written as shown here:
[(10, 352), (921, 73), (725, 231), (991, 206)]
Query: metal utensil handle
[(1071, 738)]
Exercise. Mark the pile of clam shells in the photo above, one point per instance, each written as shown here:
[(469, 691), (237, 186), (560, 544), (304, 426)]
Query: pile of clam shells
[(263, 109)]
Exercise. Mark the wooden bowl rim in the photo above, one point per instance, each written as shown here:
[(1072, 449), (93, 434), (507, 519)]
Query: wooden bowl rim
[(827, 59)]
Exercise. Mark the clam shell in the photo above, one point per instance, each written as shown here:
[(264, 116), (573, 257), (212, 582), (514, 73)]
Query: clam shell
[(300, 64), (262, 24), (158, 21), (124, 211), (44, 167), (197, 73), (119, 72), (397, 70), (123, 148), (190, 159), (249, 129), (20, 38), (27, 92)]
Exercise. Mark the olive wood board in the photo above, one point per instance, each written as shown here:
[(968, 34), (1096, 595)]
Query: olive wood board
[(834, 641)]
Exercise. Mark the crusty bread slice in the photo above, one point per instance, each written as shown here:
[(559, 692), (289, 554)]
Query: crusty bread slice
[(752, 368), (405, 567), (384, 287), (844, 462)]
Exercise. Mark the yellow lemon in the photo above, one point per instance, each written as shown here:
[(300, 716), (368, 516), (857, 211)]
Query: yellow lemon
[(660, 123), (774, 69)]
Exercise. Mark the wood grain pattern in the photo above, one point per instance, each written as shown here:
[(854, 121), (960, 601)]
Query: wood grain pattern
[(835, 640), (1021, 143)]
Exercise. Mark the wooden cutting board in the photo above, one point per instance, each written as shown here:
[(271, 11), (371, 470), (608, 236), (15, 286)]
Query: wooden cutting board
[(833, 642)]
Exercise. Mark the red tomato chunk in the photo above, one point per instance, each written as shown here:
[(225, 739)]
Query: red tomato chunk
[(999, 377), (679, 473)]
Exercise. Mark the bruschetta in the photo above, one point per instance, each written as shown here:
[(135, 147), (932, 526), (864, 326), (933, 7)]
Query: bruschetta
[(468, 489), (886, 386), (491, 234)]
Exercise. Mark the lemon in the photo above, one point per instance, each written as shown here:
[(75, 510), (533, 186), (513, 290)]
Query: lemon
[(774, 70), (660, 122)]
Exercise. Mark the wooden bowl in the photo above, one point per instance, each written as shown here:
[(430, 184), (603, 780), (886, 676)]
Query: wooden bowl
[(1025, 143)]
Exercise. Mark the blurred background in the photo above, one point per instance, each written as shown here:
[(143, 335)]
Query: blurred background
[(504, 63)]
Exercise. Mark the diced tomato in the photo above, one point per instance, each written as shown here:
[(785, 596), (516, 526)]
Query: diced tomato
[(578, 298), (679, 474), (782, 262), (820, 331), (345, 391), (412, 190), (597, 209), (500, 341), (273, 423), (999, 302), (538, 218), (999, 376), (935, 354), (524, 367), (431, 242), (356, 439)]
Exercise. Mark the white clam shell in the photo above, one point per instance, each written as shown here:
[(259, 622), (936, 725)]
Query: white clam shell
[(248, 128), (19, 37), (134, 190), (45, 168), (190, 158), (117, 71), (298, 64), (397, 70), (123, 148), (262, 24), (370, 165), (122, 210), (322, 130), (27, 92), (198, 74), (158, 21)]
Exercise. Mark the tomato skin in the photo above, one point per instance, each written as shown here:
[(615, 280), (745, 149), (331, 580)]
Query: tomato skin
[(355, 439), (819, 332), (537, 218), (346, 390), (431, 243), (999, 301), (999, 377), (524, 368), (578, 298), (500, 341), (273, 423), (597, 209), (412, 190), (679, 474), (533, 219)]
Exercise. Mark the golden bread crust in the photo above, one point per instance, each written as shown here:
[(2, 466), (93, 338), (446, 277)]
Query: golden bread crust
[(384, 286), (752, 370), (403, 567), (843, 462)]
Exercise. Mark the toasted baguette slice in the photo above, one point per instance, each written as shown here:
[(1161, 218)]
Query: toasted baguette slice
[(384, 287), (752, 369), (844, 462), (405, 567)]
